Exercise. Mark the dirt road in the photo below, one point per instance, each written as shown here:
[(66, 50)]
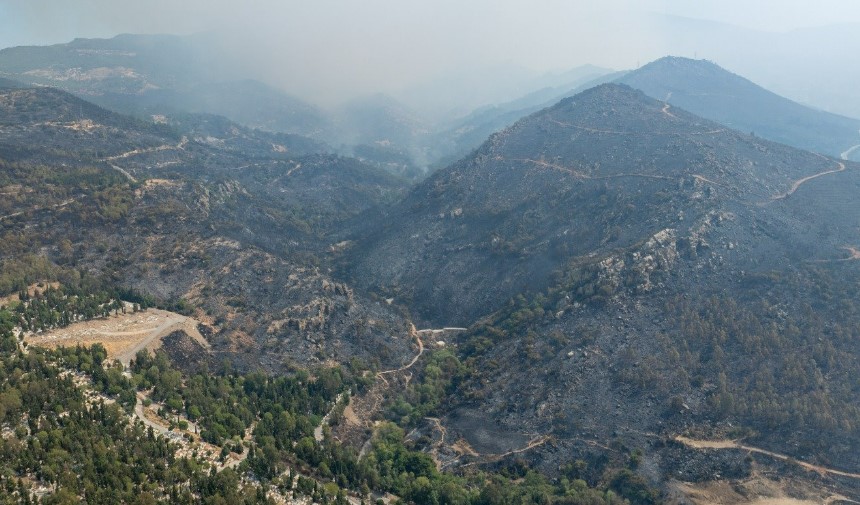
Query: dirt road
[(318, 431), (409, 365), (797, 184), (124, 172), (140, 414), (666, 106), (36, 209), (734, 444), (847, 153), (617, 132), (134, 152)]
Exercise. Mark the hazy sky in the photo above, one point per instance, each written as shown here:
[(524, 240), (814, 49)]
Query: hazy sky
[(316, 46), (50, 21)]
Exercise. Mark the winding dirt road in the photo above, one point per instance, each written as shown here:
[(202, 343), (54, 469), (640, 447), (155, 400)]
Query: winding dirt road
[(618, 132), (140, 414), (414, 333), (734, 444), (845, 154), (36, 209), (318, 431), (666, 106), (172, 323), (580, 175), (855, 253), (360, 411), (797, 184), (535, 442), (124, 172), (166, 147)]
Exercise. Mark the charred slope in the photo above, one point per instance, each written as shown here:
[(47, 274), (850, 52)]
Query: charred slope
[(238, 235), (220, 132), (63, 121), (466, 134), (740, 325), (704, 282), (600, 171), (9, 83), (707, 90)]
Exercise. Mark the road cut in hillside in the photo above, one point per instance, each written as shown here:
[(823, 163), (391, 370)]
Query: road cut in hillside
[(734, 444)]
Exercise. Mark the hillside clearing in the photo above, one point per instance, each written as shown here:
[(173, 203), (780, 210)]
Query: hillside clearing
[(122, 335)]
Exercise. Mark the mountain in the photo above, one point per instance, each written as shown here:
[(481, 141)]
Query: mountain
[(456, 140), (806, 65), (633, 273), (460, 90), (161, 74), (555, 186), (240, 229), (128, 64), (652, 300), (220, 132), (707, 90), (201, 210), (154, 75)]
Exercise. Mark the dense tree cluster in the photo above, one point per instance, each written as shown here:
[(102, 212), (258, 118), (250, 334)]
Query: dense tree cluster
[(226, 404), (89, 450), (84, 298), (80, 449)]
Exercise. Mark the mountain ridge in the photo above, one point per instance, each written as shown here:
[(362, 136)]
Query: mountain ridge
[(705, 89), (544, 161)]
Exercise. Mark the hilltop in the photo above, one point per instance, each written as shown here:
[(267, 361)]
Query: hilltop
[(707, 90)]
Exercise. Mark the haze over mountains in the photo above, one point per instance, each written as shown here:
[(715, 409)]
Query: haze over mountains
[(705, 89), (147, 75), (805, 64), (619, 287)]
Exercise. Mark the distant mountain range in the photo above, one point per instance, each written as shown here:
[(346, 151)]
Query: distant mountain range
[(149, 75), (807, 64), (698, 86), (153, 74), (465, 134)]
